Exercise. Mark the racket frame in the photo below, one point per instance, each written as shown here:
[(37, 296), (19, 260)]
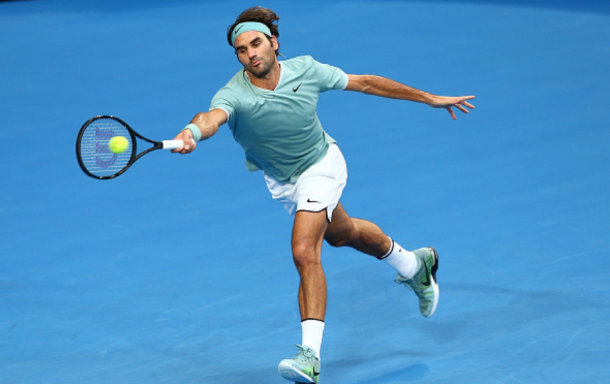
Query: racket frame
[(167, 144)]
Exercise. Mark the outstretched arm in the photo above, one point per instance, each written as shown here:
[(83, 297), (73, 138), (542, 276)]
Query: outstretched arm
[(207, 122), (384, 87)]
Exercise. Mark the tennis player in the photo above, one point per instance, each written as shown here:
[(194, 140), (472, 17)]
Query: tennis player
[(270, 107)]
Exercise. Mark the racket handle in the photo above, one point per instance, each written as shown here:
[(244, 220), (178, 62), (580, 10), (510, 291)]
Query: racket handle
[(172, 144)]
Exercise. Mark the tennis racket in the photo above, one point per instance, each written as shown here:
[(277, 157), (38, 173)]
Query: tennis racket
[(94, 155)]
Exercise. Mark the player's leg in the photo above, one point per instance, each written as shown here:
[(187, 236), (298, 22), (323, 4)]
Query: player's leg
[(368, 238), (359, 234), (417, 269), (307, 236)]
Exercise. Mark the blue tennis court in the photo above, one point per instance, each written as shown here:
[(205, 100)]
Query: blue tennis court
[(180, 270)]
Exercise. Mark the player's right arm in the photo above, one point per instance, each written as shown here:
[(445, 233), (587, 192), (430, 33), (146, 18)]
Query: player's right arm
[(207, 122)]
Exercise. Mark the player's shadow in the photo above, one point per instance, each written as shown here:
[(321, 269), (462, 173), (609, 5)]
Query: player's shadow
[(411, 373)]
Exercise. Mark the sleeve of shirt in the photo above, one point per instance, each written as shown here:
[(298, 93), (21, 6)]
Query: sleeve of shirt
[(329, 77), (225, 100)]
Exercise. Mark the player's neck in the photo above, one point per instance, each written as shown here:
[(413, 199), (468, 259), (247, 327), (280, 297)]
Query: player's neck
[(270, 80)]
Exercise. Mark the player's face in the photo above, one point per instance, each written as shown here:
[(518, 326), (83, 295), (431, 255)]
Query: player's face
[(256, 52)]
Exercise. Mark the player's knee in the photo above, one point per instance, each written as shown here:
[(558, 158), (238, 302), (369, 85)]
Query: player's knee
[(345, 237), (338, 241), (304, 255)]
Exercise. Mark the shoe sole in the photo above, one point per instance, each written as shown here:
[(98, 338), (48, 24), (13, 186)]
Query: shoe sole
[(434, 284), (292, 374)]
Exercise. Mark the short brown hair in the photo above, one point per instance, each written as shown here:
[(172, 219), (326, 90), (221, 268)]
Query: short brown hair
[(259, 14)]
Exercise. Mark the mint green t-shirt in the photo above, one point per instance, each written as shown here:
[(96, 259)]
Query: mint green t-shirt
[(279, 130)]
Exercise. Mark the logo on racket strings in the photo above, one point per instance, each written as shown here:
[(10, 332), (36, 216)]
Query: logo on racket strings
[(103, 157)]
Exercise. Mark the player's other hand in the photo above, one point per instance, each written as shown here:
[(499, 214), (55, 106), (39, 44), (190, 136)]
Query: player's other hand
[(449, 102), (189, 143)]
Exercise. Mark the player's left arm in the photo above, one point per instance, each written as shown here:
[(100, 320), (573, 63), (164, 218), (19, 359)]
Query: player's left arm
[(384, 87)]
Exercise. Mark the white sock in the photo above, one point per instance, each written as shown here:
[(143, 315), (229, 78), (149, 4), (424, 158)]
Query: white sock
[(402, 260), (313, 330)]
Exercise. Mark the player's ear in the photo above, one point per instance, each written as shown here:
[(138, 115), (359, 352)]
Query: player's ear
[(274, 43)]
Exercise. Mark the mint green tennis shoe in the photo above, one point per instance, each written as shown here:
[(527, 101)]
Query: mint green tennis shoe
[(424, 282), (303, 368)]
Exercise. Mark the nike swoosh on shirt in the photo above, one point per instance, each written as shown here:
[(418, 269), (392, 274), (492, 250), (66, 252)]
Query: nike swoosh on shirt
[(297, 88)]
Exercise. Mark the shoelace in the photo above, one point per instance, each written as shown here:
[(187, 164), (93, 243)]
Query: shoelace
[(305, 353), (408, 286)]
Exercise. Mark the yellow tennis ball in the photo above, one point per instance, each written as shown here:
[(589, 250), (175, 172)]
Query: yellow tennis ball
[(118, 144)]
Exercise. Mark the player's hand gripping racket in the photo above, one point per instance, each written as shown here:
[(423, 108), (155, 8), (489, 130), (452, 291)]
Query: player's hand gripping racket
[(95, 156)]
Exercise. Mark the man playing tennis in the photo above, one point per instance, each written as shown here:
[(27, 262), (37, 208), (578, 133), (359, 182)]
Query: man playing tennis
[(270, 107)]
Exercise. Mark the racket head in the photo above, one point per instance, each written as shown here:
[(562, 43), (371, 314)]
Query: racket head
[(94, 156)]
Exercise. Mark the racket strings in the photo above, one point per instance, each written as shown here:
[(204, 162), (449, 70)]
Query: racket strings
[(95, 153)]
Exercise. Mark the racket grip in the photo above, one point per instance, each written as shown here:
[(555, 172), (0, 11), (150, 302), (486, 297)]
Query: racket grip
[(172, 144)]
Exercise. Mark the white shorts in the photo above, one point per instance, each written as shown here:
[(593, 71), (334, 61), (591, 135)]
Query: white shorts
[(318, 188)]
